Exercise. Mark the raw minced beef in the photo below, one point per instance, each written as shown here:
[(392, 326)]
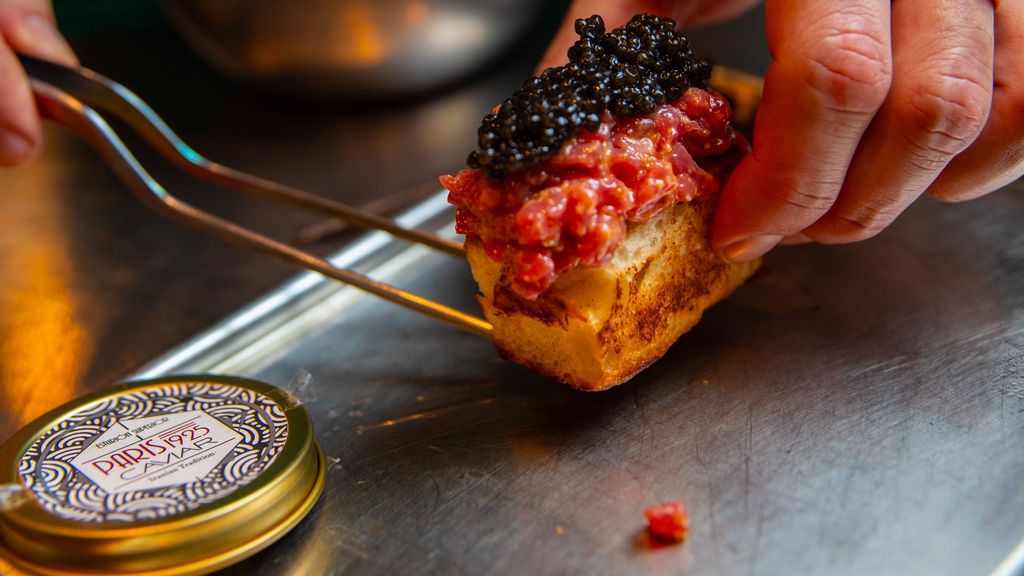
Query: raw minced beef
[(574, 208)]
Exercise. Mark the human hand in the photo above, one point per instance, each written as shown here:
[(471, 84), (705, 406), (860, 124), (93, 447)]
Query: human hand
[(867, 105), (26, 26)]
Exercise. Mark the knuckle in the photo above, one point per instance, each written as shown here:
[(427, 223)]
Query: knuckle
[(811, 193), (851, 67), (808, 201), (942, 117), (866, 222)]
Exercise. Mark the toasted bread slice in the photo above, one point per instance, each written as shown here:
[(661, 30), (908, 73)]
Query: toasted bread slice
[(598, 326)]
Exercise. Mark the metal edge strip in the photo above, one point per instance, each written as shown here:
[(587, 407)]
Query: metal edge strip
[(1013, 564)]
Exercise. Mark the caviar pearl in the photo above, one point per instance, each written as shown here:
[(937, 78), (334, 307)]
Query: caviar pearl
[(628, 71)]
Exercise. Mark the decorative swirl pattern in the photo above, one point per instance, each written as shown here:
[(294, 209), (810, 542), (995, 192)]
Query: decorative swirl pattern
[(46, 471)]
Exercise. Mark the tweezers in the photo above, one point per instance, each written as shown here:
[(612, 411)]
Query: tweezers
[(81, 100)]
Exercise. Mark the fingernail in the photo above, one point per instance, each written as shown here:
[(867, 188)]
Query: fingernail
[(14, 147), (795, 239), (750, 248)]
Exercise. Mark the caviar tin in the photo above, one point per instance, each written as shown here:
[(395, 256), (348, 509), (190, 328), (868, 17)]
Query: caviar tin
[(173, 476)]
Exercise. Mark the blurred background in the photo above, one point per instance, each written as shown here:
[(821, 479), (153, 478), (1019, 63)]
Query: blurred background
[(366, 102)]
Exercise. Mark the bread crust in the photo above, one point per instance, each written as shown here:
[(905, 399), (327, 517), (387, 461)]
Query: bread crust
[(598, 326)]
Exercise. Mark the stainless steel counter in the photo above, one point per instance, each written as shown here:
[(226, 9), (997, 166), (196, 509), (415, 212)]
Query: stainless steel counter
[(854, 409)]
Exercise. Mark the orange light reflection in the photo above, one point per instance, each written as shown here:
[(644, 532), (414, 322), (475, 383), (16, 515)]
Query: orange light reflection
[(366, 46), (43, 348)]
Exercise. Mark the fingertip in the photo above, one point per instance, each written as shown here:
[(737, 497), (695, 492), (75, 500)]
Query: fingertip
[(737, 235), (750, 248), (957, 197), (16, 148), (734, 220), (38, 35), (796, 240)]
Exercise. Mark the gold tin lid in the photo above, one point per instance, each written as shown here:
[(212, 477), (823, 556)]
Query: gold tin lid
[(175, 476)]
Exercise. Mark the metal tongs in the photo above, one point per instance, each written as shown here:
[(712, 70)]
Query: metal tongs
[(78, 99)]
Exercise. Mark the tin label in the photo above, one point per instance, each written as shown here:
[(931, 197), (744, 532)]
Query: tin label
[(157, 451), (154, 452)]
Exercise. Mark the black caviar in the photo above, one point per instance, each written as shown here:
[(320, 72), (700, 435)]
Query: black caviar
[(628, 71)]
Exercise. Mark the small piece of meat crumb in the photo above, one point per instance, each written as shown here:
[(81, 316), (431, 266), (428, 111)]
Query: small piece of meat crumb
[(668, 522)]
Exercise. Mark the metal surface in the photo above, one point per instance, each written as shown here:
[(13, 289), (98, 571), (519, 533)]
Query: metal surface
[(68, 102), (852, 410), (350, 47)]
